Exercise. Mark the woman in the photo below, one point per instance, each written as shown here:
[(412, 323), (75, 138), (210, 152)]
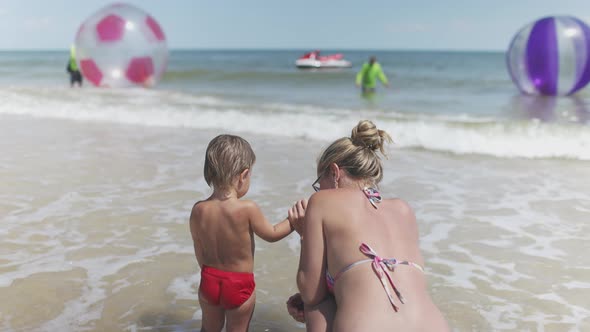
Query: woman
[(353, 240)]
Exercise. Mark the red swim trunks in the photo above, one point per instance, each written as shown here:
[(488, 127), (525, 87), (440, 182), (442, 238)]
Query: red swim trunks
[(228, 289)]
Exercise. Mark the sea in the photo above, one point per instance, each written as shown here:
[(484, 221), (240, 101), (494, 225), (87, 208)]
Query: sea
[(96, 185)]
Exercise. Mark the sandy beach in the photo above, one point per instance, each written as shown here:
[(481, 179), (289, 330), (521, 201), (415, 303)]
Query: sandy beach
[(95, 229)]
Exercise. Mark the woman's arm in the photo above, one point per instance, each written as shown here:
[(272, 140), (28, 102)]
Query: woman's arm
[(319, 318), (311, 276), (296, 215)]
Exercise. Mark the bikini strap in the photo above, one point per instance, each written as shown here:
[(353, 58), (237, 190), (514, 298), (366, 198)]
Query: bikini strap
[(350, 267), (380, 266), (373, 195)]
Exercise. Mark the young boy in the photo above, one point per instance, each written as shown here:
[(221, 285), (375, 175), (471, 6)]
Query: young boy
[(222, 228)]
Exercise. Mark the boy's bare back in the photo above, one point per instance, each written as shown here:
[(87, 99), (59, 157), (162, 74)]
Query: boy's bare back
[(223, 229), (222, 233)]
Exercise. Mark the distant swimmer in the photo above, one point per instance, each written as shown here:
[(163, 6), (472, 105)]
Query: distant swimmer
[(72, 69), (367, 76)]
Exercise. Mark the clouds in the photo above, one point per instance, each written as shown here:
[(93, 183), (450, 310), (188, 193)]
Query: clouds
[(452, 25), (430, 24), (407, 27), (461, 25), (37, 23)]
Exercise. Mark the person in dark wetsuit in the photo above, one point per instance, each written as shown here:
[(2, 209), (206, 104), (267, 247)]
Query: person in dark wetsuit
[(72, 69)]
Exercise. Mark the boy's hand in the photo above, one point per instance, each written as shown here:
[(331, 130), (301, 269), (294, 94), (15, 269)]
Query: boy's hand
[(295, 308), (297, 215)]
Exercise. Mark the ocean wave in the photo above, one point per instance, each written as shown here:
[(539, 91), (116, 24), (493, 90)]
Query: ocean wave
[(459, 134)]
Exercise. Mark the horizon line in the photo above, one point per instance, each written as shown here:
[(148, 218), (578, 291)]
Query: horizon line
[(278, 49)]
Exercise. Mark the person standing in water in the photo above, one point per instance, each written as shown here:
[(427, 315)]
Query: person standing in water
[(368, 75), (72, 69)]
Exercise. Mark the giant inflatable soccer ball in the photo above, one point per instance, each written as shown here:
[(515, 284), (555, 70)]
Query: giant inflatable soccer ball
[(120, 46), (551, 56)]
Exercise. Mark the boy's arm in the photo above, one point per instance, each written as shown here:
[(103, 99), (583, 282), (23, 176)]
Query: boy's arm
[(196, 242), (263, 228)]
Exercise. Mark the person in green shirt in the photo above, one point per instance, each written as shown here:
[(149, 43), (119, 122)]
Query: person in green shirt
[(368, 75), (72, 68)]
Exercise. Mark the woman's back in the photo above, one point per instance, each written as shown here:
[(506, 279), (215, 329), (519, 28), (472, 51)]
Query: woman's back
[(349, 219), (352, 242)]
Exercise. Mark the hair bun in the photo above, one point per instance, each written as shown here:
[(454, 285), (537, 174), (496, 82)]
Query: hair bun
[(366, 134)]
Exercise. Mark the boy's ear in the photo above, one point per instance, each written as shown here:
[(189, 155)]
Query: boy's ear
[(245, 173)]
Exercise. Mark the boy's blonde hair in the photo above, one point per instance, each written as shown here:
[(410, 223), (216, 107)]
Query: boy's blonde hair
[(357, 154), (226, 157)]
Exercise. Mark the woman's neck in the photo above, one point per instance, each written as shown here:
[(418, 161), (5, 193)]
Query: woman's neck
[(354, 184)]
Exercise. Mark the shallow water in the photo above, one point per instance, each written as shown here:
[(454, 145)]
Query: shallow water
[(94, 222)]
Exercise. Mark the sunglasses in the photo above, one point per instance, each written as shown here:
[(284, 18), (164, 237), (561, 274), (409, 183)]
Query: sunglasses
[(315, 185)]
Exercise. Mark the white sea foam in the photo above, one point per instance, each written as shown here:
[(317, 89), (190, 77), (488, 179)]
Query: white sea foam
[(459, 134), (185, 287)]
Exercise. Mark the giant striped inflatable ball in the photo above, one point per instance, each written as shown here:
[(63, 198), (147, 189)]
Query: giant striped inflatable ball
[(550, 56), (121, 46)]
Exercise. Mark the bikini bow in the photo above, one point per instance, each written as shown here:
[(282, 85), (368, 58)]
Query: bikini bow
[(373, 195), (380, 266)]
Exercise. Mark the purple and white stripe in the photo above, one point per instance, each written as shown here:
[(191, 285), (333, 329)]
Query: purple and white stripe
[(551, 56)]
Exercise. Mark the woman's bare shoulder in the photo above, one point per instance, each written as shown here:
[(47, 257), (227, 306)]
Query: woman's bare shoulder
[(336, 193), (328, 197), (400, 207), (398, 203)]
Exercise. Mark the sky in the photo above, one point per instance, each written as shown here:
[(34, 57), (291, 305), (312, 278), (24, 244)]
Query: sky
[(297, 24)]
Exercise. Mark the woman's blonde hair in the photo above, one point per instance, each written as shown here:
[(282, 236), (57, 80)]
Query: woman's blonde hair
[(226, 157), (357, 154)]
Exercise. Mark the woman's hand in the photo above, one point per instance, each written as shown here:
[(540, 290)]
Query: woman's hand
[(295, 308), (297, 215)]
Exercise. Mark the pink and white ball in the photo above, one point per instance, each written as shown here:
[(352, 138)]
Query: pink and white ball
[(121, 46)]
